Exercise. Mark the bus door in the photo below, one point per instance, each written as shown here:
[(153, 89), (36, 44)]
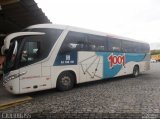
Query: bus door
[(31, 78)]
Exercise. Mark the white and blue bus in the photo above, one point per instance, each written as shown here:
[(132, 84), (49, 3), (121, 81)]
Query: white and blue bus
[(46, 56)]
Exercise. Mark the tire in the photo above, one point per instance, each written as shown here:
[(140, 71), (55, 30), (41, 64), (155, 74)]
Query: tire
[(135, 71), (65, 81)]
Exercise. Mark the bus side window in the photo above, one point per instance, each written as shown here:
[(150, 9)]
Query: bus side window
[(74, 41), (144, 48), (79, 46), (129, 46), (114, 45), (83, 42), (97, 43), (134, 47)]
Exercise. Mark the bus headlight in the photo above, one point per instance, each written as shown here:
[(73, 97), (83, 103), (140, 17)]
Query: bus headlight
[(14, 76), (8, 78)]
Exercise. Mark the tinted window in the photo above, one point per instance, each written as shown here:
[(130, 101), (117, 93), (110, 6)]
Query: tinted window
[(138, 47), (30, 52), (47, 40), (37, 47), (134, 47), (74, 41), (128, 46), (145, 48), (97, 43), (114, 44), (11, 56)]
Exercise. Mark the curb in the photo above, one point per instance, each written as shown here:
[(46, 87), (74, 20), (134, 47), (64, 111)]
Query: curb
[(14, 103)]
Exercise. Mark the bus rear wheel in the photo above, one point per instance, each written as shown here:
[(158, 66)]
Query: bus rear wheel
[(65, 81), (135, 71)]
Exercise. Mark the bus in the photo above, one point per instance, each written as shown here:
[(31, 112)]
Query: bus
[(46, 56)]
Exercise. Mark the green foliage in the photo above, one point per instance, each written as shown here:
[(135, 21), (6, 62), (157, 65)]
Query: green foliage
[(155, 52)]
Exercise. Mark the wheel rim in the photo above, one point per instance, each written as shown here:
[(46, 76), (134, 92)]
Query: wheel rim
[(66, 81), (136, 71)]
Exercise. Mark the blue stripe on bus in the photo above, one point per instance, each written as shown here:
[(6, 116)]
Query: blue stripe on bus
[(111, 72), (68, 58), (71, 59)]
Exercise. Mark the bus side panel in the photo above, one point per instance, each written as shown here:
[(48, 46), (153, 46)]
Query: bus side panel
[(32, 80), (12, 85), (132, 59), (96, 65), (112, 65), (145, 65), (90, 66)]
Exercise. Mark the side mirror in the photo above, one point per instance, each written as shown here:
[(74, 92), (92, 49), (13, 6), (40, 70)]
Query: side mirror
[(2, 50), (2, 60)]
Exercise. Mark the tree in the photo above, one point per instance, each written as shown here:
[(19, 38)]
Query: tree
[(155, 52)]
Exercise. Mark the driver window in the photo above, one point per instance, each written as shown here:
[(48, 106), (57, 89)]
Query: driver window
[(30, 52)]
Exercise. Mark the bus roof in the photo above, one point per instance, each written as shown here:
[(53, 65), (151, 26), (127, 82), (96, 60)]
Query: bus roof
[(47, 26), (77, 29)]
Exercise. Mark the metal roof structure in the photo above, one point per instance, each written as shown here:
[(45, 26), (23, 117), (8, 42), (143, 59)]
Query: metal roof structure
[(18, 14)]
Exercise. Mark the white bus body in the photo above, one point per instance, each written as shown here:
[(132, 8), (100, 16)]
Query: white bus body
[(47, 56)]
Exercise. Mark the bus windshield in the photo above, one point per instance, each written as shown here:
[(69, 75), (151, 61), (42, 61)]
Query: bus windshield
[(11, 56), (31, 48)]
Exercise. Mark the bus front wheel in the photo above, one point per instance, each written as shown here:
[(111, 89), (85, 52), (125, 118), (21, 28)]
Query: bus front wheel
[(65, 81), (135, 71)]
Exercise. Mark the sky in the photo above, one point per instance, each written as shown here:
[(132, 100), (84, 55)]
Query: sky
[(136, 19)]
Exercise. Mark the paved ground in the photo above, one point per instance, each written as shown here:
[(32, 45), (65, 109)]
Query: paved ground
[(121, 96), (7, 98)]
